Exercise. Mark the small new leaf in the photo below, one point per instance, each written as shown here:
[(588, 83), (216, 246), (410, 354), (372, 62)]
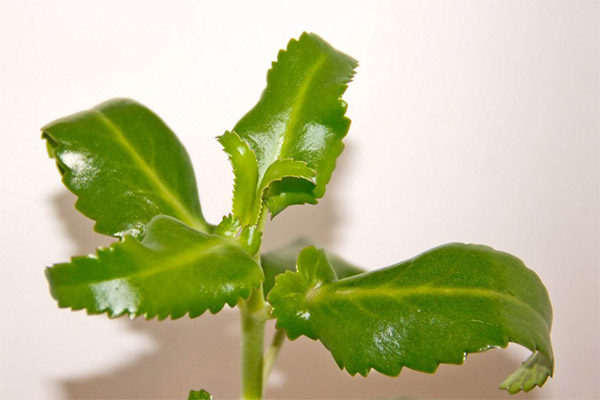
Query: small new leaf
[(250, 239), (300, 116), (245, 170), (199, 395), (248, 193), (435, 308), (228, 227), (125, 166), (284, 259), (534, 372), (174, 270)]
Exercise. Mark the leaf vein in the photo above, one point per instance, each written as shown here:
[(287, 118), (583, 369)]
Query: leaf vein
[(301, 101), (170, 263), (398, 293), (164, 191)]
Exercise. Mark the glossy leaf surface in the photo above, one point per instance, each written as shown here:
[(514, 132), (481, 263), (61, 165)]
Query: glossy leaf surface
[(245, 171), (125, 166), (248, 191), (433, 309), (174, 270), (300, 116), (284, 259)]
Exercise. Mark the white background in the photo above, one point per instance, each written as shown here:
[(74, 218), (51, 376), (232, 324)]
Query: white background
[(472, 121)]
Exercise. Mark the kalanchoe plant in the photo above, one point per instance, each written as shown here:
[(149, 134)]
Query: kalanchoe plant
[(133, 177)]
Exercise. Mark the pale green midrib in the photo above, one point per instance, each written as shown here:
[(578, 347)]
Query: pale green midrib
[(168, 264), (397, 293), (301, 101), (178, 262), (163, 190)]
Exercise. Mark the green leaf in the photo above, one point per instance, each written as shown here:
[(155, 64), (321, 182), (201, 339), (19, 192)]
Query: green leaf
[(300, 116), (125, 166), (199, 395), (245, 170), (436, 308), (534, 372), (284, 259), (228, 227), (250, 239), (248, 193), (174, 270), (287, 168), (288, 182)]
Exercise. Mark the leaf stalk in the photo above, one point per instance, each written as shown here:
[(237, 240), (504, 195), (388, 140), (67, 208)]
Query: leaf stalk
[(272, 353)]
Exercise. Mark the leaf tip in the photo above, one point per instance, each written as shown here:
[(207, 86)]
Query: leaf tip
[(533, 372)]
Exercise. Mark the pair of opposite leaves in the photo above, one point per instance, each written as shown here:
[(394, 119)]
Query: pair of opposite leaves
[(134, 178)]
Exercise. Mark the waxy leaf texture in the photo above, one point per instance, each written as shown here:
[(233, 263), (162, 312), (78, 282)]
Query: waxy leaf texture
[(133, 177), (284, 259), (248, 191), (300, 116), (174, 270), (436, 308), (125, 166)]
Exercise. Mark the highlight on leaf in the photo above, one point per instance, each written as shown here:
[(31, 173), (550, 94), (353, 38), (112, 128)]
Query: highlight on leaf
[(435, 308), (300, 116), (134, 178), (174, 270), (229, 226), (125, 166)]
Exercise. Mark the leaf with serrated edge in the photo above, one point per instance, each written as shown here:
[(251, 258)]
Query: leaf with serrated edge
[(436, 308), (286, 168), (284, 259), (174, 270), (300, 115), (125, 166), (534, 372), (245, 170), (247, 191), (228, 227)]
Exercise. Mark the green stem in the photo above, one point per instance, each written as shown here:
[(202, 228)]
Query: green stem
[(254, 315), (253, 330), (272, 353)]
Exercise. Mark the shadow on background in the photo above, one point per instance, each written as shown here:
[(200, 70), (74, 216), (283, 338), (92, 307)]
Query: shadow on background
[(203, 353)]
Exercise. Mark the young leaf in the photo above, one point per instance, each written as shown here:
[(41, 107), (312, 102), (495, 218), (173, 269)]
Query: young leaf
[(125, 166), (287, 182), (534, 371), (435, 308), (174, 270), (284, 259), (300, 116), (245, 170), (228, 227), (250, 239), (199, 395), (286, 168), (248, 193)]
